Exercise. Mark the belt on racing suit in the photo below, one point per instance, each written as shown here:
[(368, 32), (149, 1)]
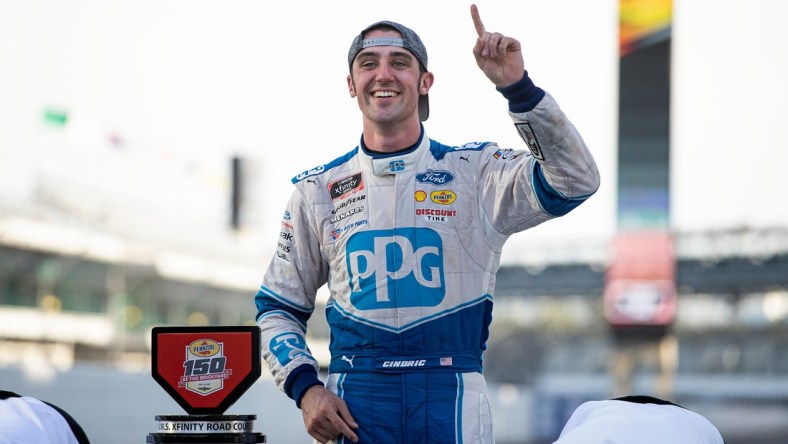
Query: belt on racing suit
[(451, 362)]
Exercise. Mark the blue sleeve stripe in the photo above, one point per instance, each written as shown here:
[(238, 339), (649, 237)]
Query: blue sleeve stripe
[(551, 201), (267, 292), (268, 302)]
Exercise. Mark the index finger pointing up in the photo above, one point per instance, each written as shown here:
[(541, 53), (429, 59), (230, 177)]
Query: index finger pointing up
[(477, 21)]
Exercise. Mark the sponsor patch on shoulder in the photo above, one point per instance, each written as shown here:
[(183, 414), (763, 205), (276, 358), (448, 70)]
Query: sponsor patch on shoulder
[(346, 186), (505, 154), (527, 133)]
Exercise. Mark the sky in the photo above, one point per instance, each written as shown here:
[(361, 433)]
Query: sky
[(160, 94)]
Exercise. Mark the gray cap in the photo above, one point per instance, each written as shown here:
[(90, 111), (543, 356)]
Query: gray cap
[(410, 41)]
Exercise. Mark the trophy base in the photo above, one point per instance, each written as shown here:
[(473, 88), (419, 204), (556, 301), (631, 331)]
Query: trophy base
[(205, 429)]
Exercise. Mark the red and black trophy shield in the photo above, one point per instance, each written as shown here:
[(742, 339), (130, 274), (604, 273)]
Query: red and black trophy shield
[(205, 370)]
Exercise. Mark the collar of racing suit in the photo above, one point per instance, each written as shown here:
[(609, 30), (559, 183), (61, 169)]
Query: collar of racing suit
[(384, 164)]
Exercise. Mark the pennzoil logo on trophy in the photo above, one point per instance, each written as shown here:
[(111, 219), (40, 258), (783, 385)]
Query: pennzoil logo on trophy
[(205, 367)]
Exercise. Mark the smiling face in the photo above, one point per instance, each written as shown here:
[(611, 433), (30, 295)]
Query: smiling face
[(387, 82)]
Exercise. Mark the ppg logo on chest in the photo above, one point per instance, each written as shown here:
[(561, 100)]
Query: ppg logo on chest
[(395, 268)]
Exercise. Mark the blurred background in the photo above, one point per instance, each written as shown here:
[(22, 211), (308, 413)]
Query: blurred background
[(146, 149)]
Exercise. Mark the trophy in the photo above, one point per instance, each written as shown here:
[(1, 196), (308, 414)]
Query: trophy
[(205, 370)]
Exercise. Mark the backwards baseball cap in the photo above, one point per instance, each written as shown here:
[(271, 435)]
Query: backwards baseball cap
[(409, 40)]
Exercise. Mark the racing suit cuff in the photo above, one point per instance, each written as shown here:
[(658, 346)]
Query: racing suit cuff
[(523, 96), (299, 381)]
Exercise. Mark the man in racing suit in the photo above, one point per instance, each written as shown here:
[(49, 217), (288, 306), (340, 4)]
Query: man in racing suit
[(407, 234)]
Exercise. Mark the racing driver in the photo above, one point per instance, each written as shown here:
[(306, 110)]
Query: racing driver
[(407, 234)]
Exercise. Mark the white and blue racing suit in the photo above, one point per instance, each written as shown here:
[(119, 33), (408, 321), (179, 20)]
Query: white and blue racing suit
[(409, 244)]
